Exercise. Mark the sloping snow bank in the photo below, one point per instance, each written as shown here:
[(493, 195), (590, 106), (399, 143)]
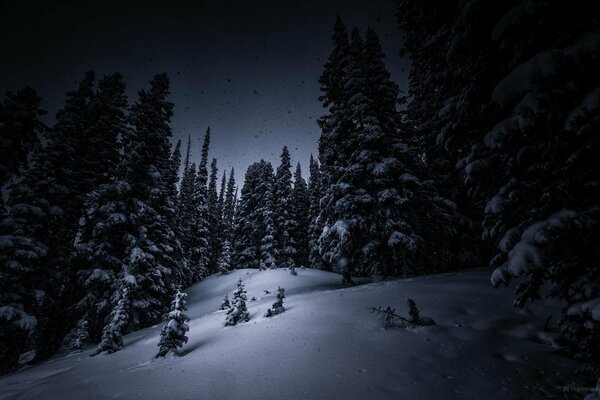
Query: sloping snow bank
[(326, 345)]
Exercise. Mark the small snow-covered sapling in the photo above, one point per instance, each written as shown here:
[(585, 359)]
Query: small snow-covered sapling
[(277, 307), (172, 335), (225, 304), (238, 311)]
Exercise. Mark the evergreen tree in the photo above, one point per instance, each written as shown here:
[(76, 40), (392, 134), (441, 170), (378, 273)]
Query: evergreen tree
[(250, 218), (80, 336), (374, 202), (184, 200), (37, 231), (118, 321), (268, 243), (221, 201), (516, 118), (284, 219), (131, 243), (20, 132), (199, 252), (277, 307), (238, 311), (173, 333), (229, 203), (224, 264), (225, 304), (172, 179), (300, 208), (314, 227), (214, 219)]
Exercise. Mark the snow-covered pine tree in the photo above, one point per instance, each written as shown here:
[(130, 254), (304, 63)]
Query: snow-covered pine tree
[(118, 321), (250, 226), (277, 307), (238, 311), (37, 230), (214, 219), (173, 333), (224, 263), (225, 305), (131, 242), (172, 179), (372, 196), (284, 218), (268, 243), (200, 251), (314, 224), (79, 337), (229, 203), (184, 202), (20, 130), (518, 115), (300, 210)]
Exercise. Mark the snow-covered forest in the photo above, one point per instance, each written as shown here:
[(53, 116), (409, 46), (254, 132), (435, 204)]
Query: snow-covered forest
[(490, 161)]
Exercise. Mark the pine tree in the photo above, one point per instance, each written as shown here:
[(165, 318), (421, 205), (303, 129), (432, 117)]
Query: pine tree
[(20, 130), (80, 336), (200, 251), (374, 201), (224, 264), (225, 304), (300, 208), (131, 242), (250, 221), (238, 311), (284, 220), (229, 207), (521, 137), (268, 243), (37, 232), (214, 219), (314, 227), (172, 179), (118, 321), (277, 307), (173, 334)]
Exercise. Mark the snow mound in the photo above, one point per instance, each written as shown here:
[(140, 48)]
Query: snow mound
[(326, 345)]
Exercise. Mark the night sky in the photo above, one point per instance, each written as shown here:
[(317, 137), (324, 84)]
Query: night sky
[(249, 69)]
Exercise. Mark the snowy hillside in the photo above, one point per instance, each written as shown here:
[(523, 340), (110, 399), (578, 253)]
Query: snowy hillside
[(326, 345)]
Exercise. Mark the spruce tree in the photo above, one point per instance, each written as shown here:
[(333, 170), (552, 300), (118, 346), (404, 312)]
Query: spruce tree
[(225, 304), (314, 224), (250, 221), (224, 263), (173, 333), (277, 307), (199, 251), (118, 321), (283, 210), (268, 243), (131, 242), (37, 231), (229, 203), (20, 130), (238, 311), (214, 218), (521, 137), (300, 208)]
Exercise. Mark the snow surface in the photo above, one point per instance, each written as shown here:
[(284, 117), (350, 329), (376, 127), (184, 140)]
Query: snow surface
[(326, 345)]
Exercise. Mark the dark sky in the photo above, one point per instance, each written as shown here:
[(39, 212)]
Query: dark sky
[(248, 68)]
